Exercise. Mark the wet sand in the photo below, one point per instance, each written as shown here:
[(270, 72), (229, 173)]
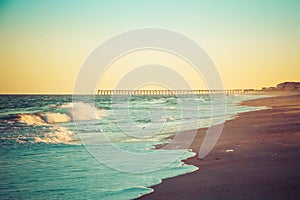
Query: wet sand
[(256, 157)]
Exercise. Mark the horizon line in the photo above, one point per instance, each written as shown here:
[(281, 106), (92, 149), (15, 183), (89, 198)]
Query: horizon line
[(3, 94)]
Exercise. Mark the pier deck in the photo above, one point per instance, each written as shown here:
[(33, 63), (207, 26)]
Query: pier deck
[(175, 92)]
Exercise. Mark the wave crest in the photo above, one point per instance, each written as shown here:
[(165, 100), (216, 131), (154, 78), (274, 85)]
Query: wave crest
[(43, 118), (31, 119), (65, 113)]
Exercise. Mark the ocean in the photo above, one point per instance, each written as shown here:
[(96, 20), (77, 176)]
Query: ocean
[(53, 148)]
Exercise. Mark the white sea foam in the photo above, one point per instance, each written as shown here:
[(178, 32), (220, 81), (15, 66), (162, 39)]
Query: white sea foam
[(31, 119), (77, 111), (65, 113), (52, 118), (82, 111), (165, 118), (43, 118), (142, 140), (171, 107), (56, 136)]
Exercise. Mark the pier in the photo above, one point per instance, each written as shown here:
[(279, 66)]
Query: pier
[(174, 92)]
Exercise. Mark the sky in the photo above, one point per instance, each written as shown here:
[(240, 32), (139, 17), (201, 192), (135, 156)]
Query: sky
[(43, 44)]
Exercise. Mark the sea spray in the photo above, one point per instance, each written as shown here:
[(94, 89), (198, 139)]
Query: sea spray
[(80, 111)]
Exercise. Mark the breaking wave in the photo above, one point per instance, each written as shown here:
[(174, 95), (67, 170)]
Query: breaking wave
[(43, 118), (49, 120), (65, 113)]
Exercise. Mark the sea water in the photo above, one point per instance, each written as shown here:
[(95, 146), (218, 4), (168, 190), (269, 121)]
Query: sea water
[(44, 153)]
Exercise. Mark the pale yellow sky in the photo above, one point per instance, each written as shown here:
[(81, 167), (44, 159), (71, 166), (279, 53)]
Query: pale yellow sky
[(42, 48), (124, 68)]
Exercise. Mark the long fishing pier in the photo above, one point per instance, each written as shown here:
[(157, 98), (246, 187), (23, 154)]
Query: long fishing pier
[(175, 92)]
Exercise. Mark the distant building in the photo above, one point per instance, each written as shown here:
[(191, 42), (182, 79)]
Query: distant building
[(268, 89), (290, 86)]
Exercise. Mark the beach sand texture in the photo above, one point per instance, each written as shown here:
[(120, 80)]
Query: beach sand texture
[(256, 157)]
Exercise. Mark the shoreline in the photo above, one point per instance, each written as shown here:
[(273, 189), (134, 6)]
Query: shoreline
[(256, 157)]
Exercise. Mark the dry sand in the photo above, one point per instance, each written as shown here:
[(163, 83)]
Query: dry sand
[(256, 157)]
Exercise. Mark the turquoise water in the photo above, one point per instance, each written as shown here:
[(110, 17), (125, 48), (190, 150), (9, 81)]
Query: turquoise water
[(45, 155)]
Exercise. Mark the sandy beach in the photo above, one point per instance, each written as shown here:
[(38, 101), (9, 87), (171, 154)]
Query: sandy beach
[(256, 157)]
